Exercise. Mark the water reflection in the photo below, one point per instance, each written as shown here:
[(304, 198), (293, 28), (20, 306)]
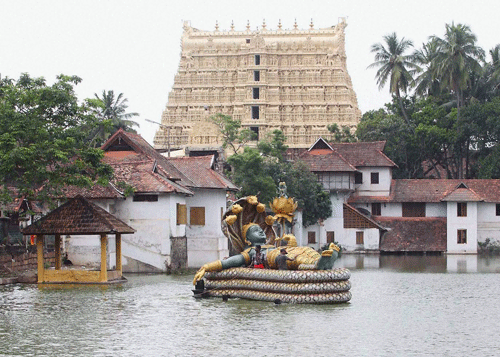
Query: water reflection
[(452, 263), (401, 306)]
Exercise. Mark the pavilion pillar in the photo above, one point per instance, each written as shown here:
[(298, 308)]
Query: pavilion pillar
[(39, 252), (118, 239), (103, 276), (57, 249)]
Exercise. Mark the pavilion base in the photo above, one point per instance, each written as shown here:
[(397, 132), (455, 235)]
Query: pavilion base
[(72, 276)]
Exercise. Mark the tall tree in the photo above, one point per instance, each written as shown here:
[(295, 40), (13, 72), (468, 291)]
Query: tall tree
[(114, 114), (394, 66), (426, 82), (457, 59), (43, 132)]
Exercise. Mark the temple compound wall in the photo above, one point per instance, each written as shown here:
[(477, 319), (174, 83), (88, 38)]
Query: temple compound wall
[(293, 80)]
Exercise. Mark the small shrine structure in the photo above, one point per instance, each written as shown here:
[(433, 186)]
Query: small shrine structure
[(78, 216)]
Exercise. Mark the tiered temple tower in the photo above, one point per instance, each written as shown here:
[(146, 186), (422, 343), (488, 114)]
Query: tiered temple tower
[(293, 80)]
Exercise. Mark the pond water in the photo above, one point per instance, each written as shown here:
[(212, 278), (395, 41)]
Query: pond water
[(401, 306)]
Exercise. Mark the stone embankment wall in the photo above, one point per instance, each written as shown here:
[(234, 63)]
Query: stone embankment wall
[(16, 263)]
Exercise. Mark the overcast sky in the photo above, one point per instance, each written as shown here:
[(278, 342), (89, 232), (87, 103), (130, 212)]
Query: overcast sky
[(133, 47)]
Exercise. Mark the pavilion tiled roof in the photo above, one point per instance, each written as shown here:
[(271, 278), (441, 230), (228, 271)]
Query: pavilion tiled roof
[(78, 216), (199, 173), (413, 234)]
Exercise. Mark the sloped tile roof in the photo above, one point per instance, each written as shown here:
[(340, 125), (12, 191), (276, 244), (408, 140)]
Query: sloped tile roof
[(433, 190), (412, 234), (78, 216), (429, 190), (141, 146), (344, 157), (462, 194), (199, 173), (324, 160), (363, 154)]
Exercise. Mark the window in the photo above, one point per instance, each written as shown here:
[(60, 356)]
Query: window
[(498, 209), (145, 198), (197, 215), (257, 60), (311, 237), (413, 209), (181, 214), (255, 93), (358, 177), (256, 76), (255, 112), (461, 209), (330, 237), (360, 238), (461, 236), (374, 177), (247, 40), (376, 209), (255, 129)]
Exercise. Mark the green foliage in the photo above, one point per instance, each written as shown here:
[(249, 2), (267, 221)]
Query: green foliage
[(450, 126), (341, 135), (489, 246), (112, 115), (249, 172), (304, 186), (395, 66), (273, 145), (259, 171), (233, 135), (44, 138)]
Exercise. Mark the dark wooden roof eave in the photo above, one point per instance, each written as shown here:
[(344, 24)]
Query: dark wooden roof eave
[(78, 216)]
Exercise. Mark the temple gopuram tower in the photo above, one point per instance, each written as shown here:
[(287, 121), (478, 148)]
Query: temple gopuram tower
[(293, 80)]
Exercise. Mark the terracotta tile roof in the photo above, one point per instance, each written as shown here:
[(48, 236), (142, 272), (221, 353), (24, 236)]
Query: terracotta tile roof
[(364, 153), (78, 216), (121, 139), (433, 190), (429, 190), (413, 234), (343, 157), (462, 194), (199, 173), (323, 160)]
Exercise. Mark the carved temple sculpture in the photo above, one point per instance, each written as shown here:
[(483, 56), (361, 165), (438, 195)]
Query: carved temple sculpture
[(304, 275), (293, 80)]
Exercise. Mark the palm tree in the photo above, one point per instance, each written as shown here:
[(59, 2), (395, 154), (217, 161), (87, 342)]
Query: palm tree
[(495, 61), (115, 110), (457, 58), (426, 82), (111, 115), (394, 66), (494, 67)]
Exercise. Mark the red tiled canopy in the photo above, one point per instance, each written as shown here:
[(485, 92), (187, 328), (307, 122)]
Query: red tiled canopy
[(78, 216)]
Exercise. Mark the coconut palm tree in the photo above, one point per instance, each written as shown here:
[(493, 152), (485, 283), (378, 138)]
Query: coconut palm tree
[(495, 61), (115, 110), (394, 66), (112, 115), (426, 82), (457, 58)]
